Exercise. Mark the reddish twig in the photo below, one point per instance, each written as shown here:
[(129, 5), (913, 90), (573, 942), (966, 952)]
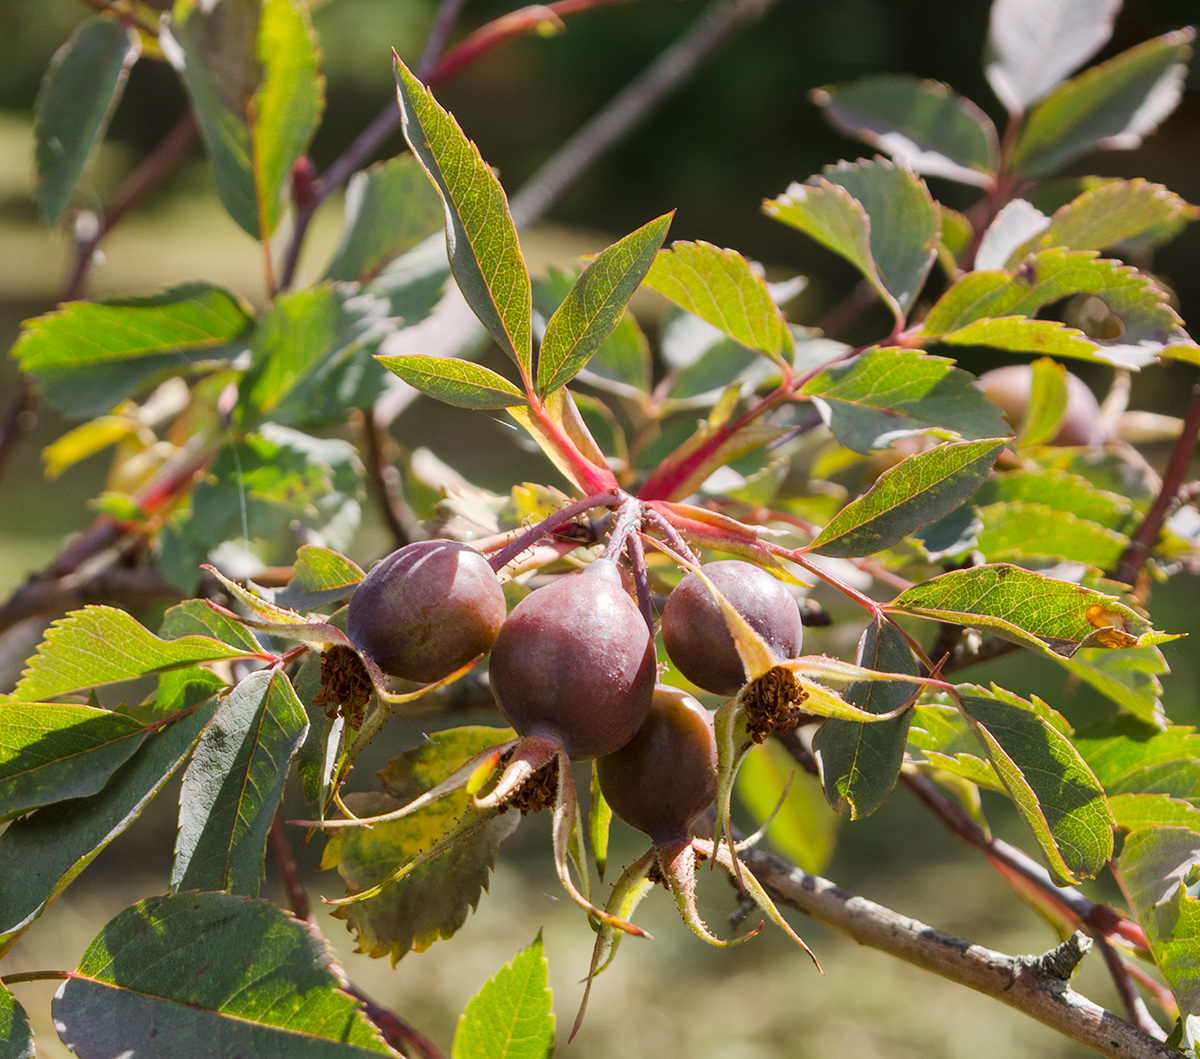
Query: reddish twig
[(134, 587), (1135, 1006), (289, 873), (399, 1034), (380, 481)]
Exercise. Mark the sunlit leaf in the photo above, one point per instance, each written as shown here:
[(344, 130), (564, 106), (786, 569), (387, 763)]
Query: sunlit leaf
[(1112, 106), (510, 1017), (50, 752), (860, 762), (917, 491), (80, 91), (1015, 225), (940, 736), (137, 992), (1019, 531), (233, 785), (1130, 756), (433, 901), (1135, 811), (16, 1035), (458, 382), (921, 123), (1113, 213), (1130, 678), (480, 236), (194, 617), (319, 576), (887, 394)]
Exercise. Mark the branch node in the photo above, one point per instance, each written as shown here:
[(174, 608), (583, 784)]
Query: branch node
[(1055, 967)]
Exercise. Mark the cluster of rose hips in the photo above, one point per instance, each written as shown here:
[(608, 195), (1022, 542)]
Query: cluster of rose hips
[(573, 670)]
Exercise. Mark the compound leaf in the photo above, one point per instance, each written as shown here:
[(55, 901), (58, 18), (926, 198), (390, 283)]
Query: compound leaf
[(1130, 678), (942, 737), (721, 288), (1052, 616), (595, 305), (433, 901), (1130, 756), (1019, 531), (1112, 106), (194, 617), (510, 1017), (887, 394), (860, 762), (917, 491), (233, 785), (1113, 213), (80, 91), (462, 383), (16, 1035), (50, 752), (53, 845), (1135, 811), (920, 123), (137, 990), (319, 576), (1033, 45), (481, 238), (103, 645)]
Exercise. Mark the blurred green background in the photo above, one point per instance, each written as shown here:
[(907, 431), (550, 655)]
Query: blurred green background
[(740, 131)]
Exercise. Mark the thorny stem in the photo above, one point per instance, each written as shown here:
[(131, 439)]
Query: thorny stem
[(1142, 541), (674, 538), (563, 516), (641, 579), (629, 515)]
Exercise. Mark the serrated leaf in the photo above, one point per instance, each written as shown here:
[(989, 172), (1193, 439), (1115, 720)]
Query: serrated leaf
[(390, 207), (721, 288), (887, 394), (860, 762), (103, 645), (88, 356), (1048, 397), (434, 900), (1018, 531), (86, 440), (481, 239), (1052, 616), (921, 123), (16, 1035), (251, 70), (1015, 226), (461, 383), (1033, 45), (1130, 678), (1130, 756), (78, 95), (1112, 106), (181, 689), (1157, 866), (802, 827), (1146, 324), (137, 992), (194, 617), (1113, 213), (595, 305), (904, 225), (1052, 787), (917, 491), (233, 785), (941, 737), (1135, 811), (319, 576), (50, 752), (510, 1017), (53, 845)]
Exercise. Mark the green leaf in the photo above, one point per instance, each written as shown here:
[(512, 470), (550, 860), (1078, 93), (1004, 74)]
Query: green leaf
[(860, 762), (433, 901), (1112, 106), (1051, 785), (1145, 324), (87, 356), (55, 844), (52, 751), (1018, 531), (510, 1017), (1131, 757), (79, 93), (137, 990), (1034, 44), (233, 786), (802, 828), (887, 394), (1158, 865), (181, 689), (941, 737), (194, 617), (1048, 397), (251, 70), (1015, 227), (721, 288), (917, 491), (1052, 616), (903, 223), (1130, 678), (390, 207), (319, 576), (462, 383), (480, 236), (1113, 213), (595, 304), (1135, 811), (16, 1035), (103, 645), (921, 123)]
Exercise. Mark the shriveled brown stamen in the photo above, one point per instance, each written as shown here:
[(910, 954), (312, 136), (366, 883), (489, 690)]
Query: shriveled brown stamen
[(345, 685), (773, 703), (536, 793)]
